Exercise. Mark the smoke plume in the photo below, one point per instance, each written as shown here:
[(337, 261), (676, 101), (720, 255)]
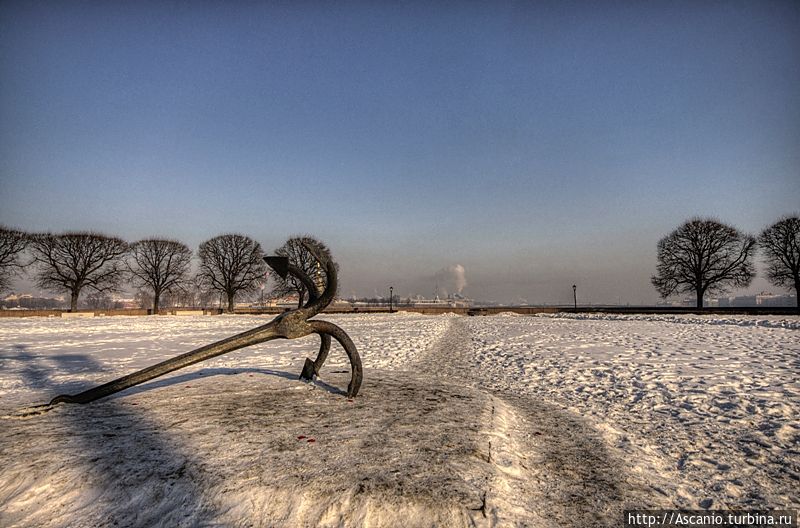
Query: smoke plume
[(451, 279)]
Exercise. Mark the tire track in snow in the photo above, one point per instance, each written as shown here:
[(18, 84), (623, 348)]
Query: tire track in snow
[(550, 466)]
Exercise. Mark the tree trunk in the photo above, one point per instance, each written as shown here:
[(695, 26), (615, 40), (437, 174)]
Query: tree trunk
[(230, 302), (797, 292), (301, 293), (156, 299), (699, 298), (73, 300)]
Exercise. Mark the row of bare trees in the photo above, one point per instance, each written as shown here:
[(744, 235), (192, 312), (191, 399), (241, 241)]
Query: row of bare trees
[(72, 263), (704, 256)]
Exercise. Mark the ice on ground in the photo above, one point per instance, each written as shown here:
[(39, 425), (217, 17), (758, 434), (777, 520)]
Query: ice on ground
[(488, 421)]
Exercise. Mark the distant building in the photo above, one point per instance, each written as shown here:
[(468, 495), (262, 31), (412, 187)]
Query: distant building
[(125, 303), (26, 301), (452, 301), (686, 302), (766, 299)]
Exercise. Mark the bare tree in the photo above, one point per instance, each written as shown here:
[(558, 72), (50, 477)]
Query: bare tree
[(99, 301), (183, 297), (297, 249), (703, 256), (73, 261), (231, 264), (781, 245), (143, 298), (12, 244), (160, 266), (203, 298)]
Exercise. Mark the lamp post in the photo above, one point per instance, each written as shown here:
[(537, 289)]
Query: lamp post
[(391, 290), (575, 296)]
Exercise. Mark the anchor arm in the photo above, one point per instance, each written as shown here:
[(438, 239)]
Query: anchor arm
[(315, 306), (356, 371), (283, 266), (311, 287), (312, 368)]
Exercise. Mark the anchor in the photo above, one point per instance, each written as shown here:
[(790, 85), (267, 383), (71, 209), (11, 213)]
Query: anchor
[(292, 324)]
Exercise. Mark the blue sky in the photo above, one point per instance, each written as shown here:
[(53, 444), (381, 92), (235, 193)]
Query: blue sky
[(536, 144)]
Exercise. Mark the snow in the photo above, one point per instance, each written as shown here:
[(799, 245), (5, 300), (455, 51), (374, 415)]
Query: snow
[(557, 420)]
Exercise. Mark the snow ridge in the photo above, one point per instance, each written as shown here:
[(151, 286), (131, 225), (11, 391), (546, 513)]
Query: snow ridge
[(772, 322)]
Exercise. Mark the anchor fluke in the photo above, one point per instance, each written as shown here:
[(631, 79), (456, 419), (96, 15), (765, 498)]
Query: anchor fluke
[(279, 264), (309, 371)]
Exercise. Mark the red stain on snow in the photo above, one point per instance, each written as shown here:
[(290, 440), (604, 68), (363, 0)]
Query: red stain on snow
[(301, 437), (310, 440)]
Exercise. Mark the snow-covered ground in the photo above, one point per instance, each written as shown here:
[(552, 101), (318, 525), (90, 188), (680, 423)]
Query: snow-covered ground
[(505, 420)]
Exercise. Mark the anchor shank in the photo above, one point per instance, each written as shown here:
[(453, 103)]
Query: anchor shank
[(250, 337)]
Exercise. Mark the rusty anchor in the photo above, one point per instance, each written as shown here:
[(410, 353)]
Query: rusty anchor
[(293, 324)]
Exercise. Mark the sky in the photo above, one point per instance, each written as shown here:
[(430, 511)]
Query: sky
[(533, 145)]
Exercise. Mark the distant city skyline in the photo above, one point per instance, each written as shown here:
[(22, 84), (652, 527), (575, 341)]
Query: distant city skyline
[(514, 150)]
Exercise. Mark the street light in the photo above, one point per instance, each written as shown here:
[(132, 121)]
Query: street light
[(391, 290), (575, 296)]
